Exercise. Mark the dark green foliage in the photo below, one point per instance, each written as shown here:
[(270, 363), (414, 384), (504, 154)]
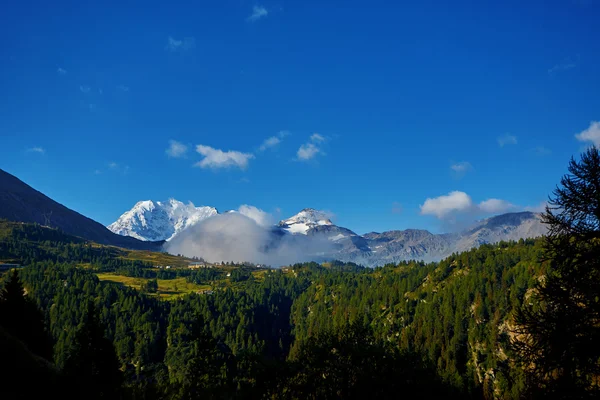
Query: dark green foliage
[(560, 325), (440, 322), (21, 318), (90, 363), (352, 364), (150, 286), (240, 275), (25, 375)]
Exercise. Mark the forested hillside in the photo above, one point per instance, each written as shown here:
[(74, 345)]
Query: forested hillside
[(268, 334)]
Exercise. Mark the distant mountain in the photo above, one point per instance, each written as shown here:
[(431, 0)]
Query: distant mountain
[(21, 203), (156, 220), (374, 248)]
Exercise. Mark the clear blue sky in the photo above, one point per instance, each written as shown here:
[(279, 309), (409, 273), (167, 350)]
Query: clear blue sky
[(92, 93)]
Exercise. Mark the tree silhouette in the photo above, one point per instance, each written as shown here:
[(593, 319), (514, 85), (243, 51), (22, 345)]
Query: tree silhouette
[(91, 365), (21, 318), (558, 334)]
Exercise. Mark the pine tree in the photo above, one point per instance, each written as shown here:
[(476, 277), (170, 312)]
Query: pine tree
[(559, 328), (91, 364), (22, 319)]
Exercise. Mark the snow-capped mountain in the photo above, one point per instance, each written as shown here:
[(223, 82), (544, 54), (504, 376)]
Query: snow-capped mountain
[(305, 220), (310, 229), (157, 220), (374, 248)]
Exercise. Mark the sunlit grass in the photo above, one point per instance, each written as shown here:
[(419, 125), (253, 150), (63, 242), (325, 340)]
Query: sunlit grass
[(168, 289)]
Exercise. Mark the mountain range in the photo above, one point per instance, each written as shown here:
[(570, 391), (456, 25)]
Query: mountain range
[(150, 223), (155, 220)]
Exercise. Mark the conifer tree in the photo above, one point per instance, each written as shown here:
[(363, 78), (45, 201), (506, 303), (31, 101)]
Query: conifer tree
[(21, 318), (558, 334), (91, 363)]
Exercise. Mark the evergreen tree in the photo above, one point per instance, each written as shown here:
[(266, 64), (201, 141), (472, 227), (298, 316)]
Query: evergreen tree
[(91, 364), (559, 328), (21, 318)]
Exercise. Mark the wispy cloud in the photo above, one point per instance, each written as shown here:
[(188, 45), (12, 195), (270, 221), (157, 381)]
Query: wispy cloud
[(37, 149), (61, 71), (85, 88), (176, 149), (396, 208), (591, 134), (273, 141), (258, 12), (506, 140), (312, 148), (461, 167), (184, 44), (541, 207), (216, 158), (315, 137), (542, 151), (114, 167), (123, 88), (563, 66)]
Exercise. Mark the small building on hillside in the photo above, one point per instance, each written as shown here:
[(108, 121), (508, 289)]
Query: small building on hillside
[(196, 265)]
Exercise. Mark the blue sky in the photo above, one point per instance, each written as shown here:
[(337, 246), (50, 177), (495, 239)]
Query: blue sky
[(366, 110)]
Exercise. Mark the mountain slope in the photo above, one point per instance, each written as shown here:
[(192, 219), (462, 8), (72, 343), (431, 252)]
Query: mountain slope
[(20, 202), (156, 220)]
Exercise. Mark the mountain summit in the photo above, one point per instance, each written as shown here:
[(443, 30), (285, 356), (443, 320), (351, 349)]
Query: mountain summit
[(305, 220), (157, 220)]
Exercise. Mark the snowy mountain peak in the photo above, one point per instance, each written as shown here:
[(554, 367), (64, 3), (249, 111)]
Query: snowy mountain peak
[(305, 220), (158, 220)]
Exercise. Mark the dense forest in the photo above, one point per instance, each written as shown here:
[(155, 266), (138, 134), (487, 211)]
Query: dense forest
[(506, 320), (442, 322)]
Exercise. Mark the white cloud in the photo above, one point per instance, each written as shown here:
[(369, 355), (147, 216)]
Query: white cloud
[(237, 237), (113, 165), (273, 140), (507, 140), (61, 71), (215, 158), (258, 12), (493, 206), (259, 216), (270, 142), (455, 204), (123, 88), (310, 149), (97, 172), (307, 151), (461, 167), (187, 43), (176, 149), (316, 138), (85, 88), (37, 149), (446, 205), (591, 134)]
